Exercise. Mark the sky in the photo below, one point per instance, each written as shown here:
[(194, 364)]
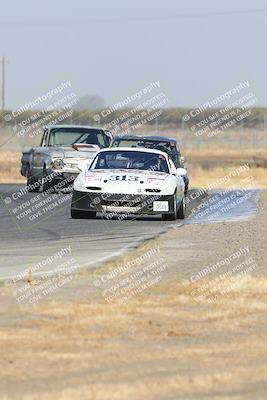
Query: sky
[(113, 48)]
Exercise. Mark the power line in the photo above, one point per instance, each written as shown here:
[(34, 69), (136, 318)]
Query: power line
[(191, 15)]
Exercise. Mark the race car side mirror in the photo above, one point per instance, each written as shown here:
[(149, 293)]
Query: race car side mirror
[(181, 172)]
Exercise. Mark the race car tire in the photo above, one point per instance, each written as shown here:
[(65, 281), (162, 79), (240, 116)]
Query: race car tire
[(31, 181), (182, 209), (47, 186), (76, 214)]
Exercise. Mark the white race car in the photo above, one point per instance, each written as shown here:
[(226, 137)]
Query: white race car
[(130, 181)]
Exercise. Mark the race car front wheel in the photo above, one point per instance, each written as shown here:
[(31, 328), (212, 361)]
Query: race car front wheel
[(77, 214), (182, 209), (47, 185), (31, 181)]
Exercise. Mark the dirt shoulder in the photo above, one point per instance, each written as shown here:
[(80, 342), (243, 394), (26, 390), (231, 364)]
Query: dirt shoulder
[(171, 339)]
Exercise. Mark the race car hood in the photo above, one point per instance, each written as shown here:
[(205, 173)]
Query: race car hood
[(80, 151), (124, 181), (76, 157), (124, 176)]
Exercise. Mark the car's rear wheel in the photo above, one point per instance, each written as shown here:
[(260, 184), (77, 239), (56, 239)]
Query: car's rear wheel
[(77, 214)]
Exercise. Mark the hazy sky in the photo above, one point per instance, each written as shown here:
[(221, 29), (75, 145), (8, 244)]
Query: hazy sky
[(195, 58)]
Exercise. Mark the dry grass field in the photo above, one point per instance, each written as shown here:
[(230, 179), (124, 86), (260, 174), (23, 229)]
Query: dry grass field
[(154, 346), (10, 167)]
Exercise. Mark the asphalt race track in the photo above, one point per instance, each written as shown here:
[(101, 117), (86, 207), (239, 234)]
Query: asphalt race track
[(25, 242)]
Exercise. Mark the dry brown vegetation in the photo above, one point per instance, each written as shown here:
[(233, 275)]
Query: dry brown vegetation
[(158, 344), (207, 167), (252, 179), (10, 167)]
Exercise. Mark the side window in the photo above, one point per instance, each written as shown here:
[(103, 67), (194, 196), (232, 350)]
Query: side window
[(102, 140), (176, 160), (109, 137), (44, 141)]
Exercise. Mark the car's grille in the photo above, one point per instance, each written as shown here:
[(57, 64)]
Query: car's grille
[(93, 188), (153, 190), (121, 203)]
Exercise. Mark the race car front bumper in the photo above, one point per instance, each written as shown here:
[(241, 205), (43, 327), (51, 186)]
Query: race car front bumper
[(122, 203), (63, 179), (66, 175)]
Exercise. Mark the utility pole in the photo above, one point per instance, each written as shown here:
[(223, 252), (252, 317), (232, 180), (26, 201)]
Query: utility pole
[(3, 62)]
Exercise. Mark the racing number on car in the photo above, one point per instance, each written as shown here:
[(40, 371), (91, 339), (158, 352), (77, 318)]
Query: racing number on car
[(123, 178)]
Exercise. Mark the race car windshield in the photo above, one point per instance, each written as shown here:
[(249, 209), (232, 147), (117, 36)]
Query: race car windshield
[(130, 160), (162, 145), (69, 136), (165, 146)]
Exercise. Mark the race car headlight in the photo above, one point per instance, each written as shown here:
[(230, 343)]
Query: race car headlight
[(57, 163), (154, 181), (79, 183), (89, 178)]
